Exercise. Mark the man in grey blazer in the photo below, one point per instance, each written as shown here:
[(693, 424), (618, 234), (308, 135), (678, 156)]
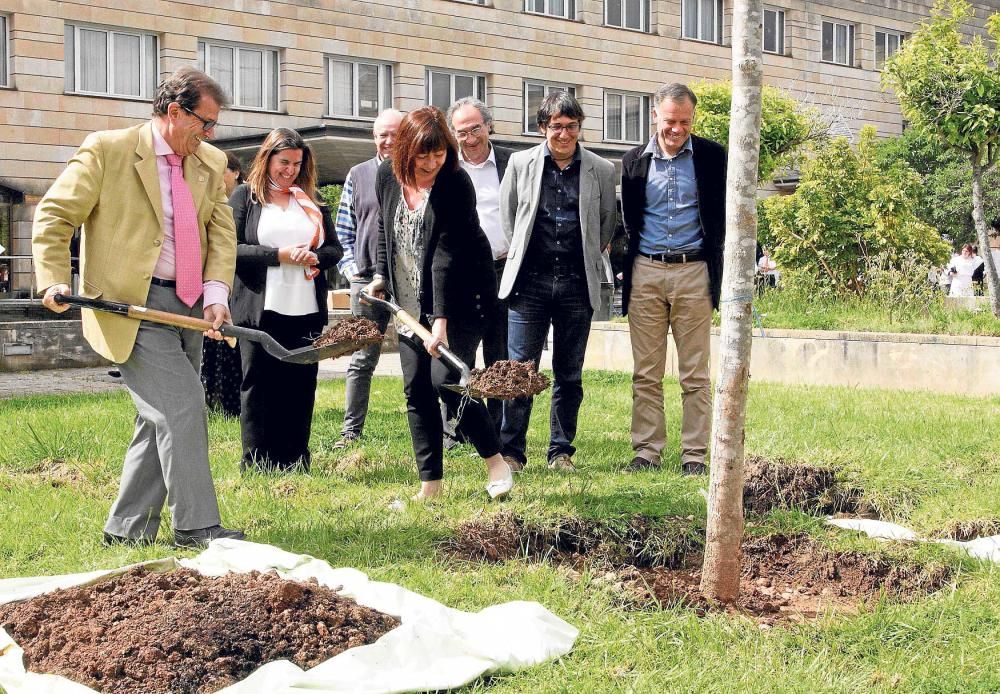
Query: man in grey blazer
[(557, 208)]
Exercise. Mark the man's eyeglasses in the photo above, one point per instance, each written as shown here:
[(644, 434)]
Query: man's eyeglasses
[(206, 124), (474, 131), (571, 128)]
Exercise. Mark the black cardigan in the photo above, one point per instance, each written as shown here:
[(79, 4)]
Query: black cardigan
[(252, 261), (457, 256), (710, 172)]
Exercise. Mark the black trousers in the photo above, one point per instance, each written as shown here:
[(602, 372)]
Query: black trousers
[(423, 376), (277, 398)]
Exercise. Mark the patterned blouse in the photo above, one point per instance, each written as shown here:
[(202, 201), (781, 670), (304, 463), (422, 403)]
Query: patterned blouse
[(408, 245)]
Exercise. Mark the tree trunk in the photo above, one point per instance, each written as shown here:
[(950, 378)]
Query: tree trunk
[(983, 234), (720, 579)]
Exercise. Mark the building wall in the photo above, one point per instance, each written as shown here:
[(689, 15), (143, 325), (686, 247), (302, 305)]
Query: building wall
[(40, 125)]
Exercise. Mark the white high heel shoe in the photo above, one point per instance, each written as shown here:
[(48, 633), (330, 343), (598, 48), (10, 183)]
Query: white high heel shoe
[(501, 487)]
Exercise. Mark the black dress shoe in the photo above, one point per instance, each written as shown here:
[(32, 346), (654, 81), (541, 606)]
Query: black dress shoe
[(202, 536), (110, 540), (694, 469), (639, 464)]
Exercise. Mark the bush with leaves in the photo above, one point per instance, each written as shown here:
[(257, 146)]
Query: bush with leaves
[(785, 126), (331, 196), (849, 208)]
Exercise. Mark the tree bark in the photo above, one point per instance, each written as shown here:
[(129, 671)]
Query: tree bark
[(983, 234), (720, 579)]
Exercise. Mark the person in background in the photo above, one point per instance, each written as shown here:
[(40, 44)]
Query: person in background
[(284, 242), (437, 263), (157, 232), (221, 370), (767, 270), (357, 231), (472, 123), (961, 269)]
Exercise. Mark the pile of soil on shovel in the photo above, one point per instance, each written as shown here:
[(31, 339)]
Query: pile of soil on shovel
[(507, 379), (651, 563), (353, 329), (967, 530), (184, 632), (771, 484)]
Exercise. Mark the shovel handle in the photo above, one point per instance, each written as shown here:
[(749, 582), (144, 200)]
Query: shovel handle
[(141, 313)]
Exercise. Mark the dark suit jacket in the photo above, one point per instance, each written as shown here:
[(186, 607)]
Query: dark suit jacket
[(501, 154), (252, 261), (459, 282), (710, 173)]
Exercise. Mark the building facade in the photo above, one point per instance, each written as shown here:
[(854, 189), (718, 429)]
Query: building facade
[(327, 67)]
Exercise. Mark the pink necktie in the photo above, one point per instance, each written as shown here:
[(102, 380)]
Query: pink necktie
[(187, 241)]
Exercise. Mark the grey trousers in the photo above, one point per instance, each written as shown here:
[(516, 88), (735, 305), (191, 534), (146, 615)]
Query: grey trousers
[(359, 372), (168, 457)]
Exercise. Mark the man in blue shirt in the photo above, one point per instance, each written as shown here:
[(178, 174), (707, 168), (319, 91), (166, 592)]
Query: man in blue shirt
[(673, 207)]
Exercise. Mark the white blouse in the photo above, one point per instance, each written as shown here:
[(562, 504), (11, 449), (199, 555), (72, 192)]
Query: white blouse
[(288, 290)]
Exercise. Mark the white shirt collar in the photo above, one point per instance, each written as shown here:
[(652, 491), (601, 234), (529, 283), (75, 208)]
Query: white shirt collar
[(490, 158)]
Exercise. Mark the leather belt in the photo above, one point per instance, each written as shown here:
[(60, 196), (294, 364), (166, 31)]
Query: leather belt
[(694, 257), (170, 284)]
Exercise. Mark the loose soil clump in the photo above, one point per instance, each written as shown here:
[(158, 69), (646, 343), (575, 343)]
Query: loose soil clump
[(183, 632), (771, 484), (507, 379), (354, 329), (650, 562), (967, 530)]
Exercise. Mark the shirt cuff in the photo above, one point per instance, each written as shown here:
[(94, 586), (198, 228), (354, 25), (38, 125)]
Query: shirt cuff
[(216, 292), (349, 270)]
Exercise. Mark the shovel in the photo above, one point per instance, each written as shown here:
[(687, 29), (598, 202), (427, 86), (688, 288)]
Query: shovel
[(302, 355), (447, 356)]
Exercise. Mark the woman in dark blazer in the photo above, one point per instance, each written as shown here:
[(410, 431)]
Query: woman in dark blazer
[(437, 263), (284, 242)]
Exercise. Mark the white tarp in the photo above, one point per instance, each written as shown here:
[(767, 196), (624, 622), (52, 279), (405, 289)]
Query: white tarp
[(435, 647), (987, 548)]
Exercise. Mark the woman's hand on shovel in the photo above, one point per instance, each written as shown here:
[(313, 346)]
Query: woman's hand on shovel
[(375, 288), (439, 336)]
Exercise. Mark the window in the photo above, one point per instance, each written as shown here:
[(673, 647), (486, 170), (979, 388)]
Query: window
[(627, 14), (774, 31), (248, 74), (445, 88), (702, 20), (357, 89), (887, 44), (4, 51), (534, 94), (838, 43), (113, 62), (626, 117), (555, 8)]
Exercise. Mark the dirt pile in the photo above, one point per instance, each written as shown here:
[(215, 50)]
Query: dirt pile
[(791, 578), (184, 632), (771, 484), (361, 331), (963, 531), (649, 562), (506, 380)]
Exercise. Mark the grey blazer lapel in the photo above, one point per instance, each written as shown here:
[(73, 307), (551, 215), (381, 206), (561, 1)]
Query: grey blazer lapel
[(587, 197)]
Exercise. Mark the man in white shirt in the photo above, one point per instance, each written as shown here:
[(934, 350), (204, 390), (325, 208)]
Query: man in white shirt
[(472, 122)]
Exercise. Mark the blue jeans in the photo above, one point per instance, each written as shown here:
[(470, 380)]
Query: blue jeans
[(541, 299)]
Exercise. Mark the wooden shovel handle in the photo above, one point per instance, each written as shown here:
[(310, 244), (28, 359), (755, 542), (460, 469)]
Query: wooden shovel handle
[(154, 316)]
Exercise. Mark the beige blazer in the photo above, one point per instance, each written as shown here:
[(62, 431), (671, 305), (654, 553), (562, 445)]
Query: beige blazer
[(111, 188), (520, 191)]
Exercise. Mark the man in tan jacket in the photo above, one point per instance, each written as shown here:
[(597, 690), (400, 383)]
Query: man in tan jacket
[(124, 188)]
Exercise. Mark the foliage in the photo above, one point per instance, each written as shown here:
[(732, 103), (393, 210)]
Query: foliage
[(849, 208), (331, 196), (785, 124), (946, 86), (945, 199)]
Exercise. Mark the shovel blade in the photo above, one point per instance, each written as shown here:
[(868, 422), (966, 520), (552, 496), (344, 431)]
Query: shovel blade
[(314, 355)]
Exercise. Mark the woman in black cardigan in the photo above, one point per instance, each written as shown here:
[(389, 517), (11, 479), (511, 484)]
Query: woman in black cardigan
[(284, 243), (437, 263)]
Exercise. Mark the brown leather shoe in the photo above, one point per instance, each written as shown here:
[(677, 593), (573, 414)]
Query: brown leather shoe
[(514, 464), (693, 469), (640, 464), (563, 463)]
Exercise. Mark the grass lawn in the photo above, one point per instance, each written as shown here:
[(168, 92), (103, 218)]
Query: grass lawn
[(923, 459)]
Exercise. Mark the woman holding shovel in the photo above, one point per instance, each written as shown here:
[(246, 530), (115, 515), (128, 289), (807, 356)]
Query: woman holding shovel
[(437, 263), (284, 242)]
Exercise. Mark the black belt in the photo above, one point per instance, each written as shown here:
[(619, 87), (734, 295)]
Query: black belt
[(694, 257), (169, 284)]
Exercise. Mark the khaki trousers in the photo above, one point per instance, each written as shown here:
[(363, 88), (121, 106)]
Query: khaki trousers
[(674, 296)]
